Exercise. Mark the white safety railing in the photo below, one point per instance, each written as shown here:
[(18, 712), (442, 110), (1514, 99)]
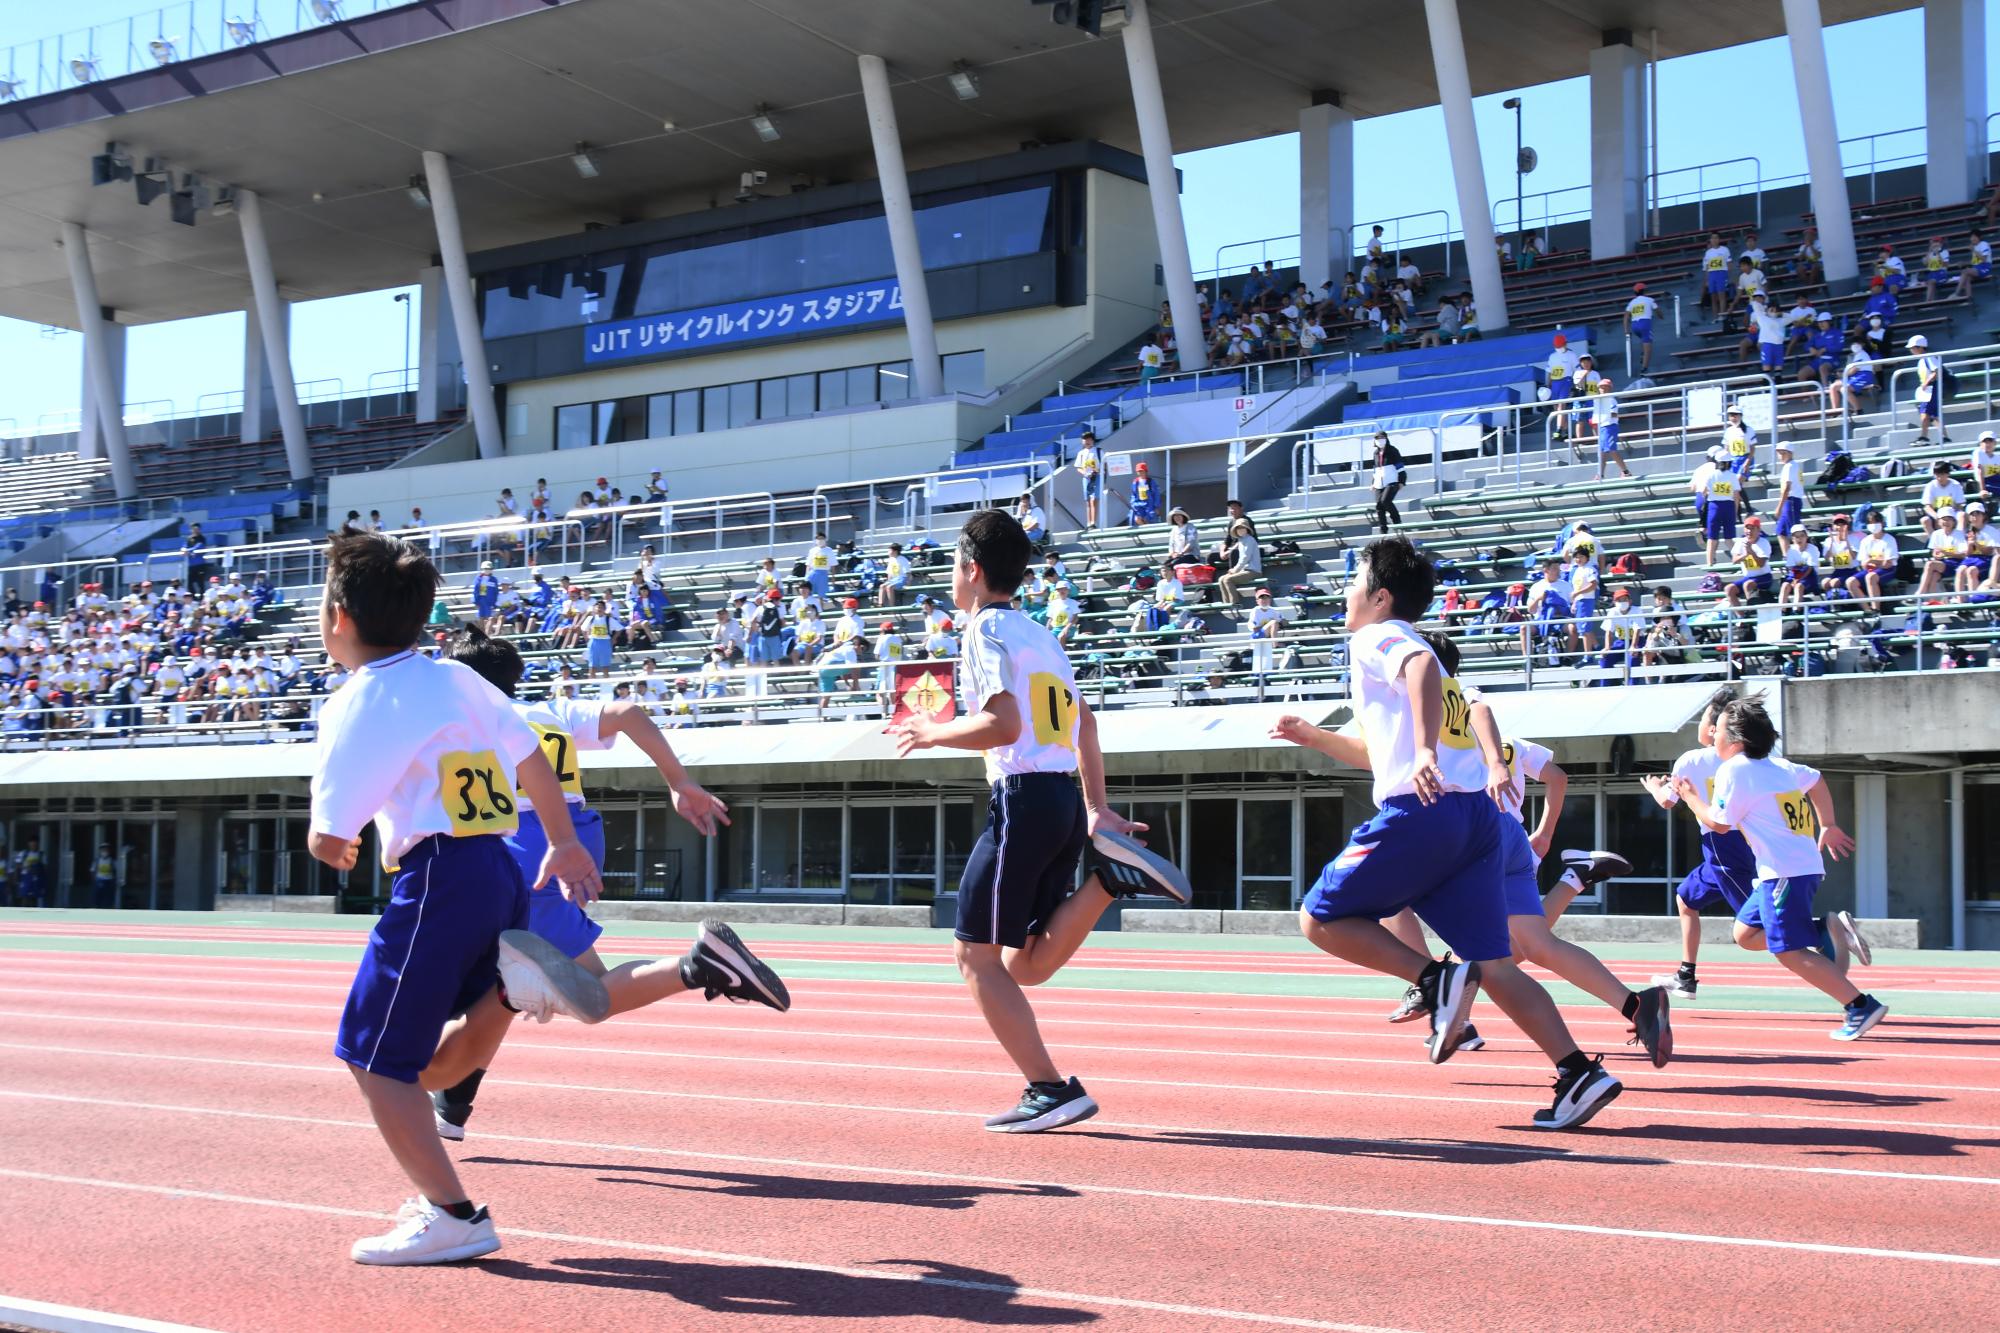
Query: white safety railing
[(1702, 192)]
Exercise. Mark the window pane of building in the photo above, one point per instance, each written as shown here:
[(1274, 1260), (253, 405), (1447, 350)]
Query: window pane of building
[(659, 416), (914, 853), (832, 388), (687, 411), (894, 382), (573, 425), (715, 408), (801, 396), (1635, 824), (820, 851), (1982, 842), (1325, 831), (868, 840), (734, 843), (862, 387), (628, 420), (1212, 853), (964, 818), (771, 401), (742, 404), (965, 372), (778, 847), (621, 852), (1267, 838)]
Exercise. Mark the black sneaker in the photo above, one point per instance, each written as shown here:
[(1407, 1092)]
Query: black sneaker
[(451, 1118), (1649, 1020), (1579, 1097), (1411, 1008), (1127, 870), (1449, 994), (1595, 867), (1045, 1106), (721, 964)]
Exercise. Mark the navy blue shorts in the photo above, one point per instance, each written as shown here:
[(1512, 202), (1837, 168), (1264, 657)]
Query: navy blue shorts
[(1789, 513), (1642, 330), (1721, 524), (1717, 280), (1607, 437), (550, 915), (433, 954), (1770, 355), (1444, 860), (1024, 864), (1520, 875), (1783, 910), (1712, 882)]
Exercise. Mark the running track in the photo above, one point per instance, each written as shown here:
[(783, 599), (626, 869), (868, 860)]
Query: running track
[(177, 1143)]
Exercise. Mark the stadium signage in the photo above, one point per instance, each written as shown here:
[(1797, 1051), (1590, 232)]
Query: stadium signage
[(744, 321)]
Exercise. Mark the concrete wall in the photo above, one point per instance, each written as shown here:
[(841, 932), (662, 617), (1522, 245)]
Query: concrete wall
[(1919, 851), (1901, 713)]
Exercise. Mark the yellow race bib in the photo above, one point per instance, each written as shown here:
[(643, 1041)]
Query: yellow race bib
[(476, 794), (1799, 815), (560, 747), (1457, 717), (1052, 709)]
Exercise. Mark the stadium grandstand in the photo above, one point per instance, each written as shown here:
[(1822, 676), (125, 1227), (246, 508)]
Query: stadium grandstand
[(733, 344)]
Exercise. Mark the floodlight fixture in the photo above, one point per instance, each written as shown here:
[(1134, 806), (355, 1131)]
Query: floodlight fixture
[(419, 192), (10, 89), (585, 164), (964, 82), (761, 122), (84, 69), (163, 51), (326, 11), (242, 31)]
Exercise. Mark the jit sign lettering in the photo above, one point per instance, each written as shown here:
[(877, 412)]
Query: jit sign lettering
[(741, 321)]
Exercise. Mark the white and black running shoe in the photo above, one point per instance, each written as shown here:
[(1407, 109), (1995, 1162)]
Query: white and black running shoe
[(1449, 996), (1650, 1022), (1596, 867), (1045, 1106), (1580, 1096), (721, 964), (540, 981), (1411, 1008), (1127, 870)]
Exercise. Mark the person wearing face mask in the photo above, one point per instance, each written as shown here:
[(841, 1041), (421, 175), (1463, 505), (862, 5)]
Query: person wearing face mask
[(1874, 564)]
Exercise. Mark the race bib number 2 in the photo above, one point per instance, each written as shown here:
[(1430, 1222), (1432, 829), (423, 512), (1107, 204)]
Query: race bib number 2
[(477, 793), (560, 748)]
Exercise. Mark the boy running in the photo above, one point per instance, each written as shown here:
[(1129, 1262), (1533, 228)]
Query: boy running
[(1728, 869), (428, 751), (1785, 812), (717, 964), (1435, 843), (1018, 921)]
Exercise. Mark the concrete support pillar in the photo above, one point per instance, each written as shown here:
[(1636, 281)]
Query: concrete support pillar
[(1326, 193), (926, 371), (260, 392), (273, 329), (1617, 150), (1831, 213), (437, 348), (1871, 837), (1475, 211), (1954, 100), (89, 436), (1142, 67), (106, 391), (480, 406)]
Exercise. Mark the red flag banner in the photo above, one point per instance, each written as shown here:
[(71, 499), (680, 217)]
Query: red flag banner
[(927, 688)]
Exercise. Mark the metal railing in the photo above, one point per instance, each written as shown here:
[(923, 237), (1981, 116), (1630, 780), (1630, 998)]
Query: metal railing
[(1961, 363), (164, 36), (1701, 194)]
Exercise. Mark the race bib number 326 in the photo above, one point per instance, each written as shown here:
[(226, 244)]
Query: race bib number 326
[(477, 793)]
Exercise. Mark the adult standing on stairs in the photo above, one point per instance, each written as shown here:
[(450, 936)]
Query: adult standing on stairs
[(1387, 481)]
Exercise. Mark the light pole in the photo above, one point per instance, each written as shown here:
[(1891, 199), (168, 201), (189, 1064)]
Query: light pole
[(403, 299), (1513, 104)]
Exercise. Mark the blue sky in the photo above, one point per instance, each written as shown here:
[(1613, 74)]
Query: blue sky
[(1236, 193)]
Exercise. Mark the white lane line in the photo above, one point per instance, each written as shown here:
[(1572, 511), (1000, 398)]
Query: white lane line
[(1873, 1122), (53, 1318), (796, 1265), (1309, 1143), (1345, 1210), (733, 1031)]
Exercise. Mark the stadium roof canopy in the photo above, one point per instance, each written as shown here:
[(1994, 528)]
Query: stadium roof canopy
[(327, 124)]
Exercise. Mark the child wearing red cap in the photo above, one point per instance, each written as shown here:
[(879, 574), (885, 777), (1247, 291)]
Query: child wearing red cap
[(1145, 498)]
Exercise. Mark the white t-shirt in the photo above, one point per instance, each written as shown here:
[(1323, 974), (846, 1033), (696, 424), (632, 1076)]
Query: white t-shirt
[(1721, 485), (1007, 653), (818, 557), (1642, 307), (1947, 545), (1880, 551), (1698, 481), (1766, 799), (1771, 325), (1152, 357), (1261, 616), (1942, 495), (566, 727), (1752, 553), (1627, 625), (420, 746), (1525, 760), (1802, 557), (1985, 464), (1716, 259), (1377, 655), (1788, 482)]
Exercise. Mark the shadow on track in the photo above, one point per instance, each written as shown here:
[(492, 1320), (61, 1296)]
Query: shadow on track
[(1817, 1140), (1449, 1152), (753, 1185), (930, 1290)]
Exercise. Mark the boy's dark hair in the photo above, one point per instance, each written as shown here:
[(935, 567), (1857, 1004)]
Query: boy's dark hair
[(1711, 711), (384, 585), (994, 540), (1395, 566), (1664, 591), (1446, 650), (1746, 721), (497, 661)]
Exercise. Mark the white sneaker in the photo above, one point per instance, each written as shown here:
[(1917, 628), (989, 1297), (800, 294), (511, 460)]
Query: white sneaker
[(426, 1234), (1676, 985), (1846, 932), (541, 982)]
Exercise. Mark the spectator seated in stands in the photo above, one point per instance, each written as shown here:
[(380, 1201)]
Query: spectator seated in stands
[(1802, 559), (1982, 545), (895, 577), (1942, 494), (1875, 560), (1806, 260), (809, 634), (1946, 548), (1144, 498), (1889, 267), (1167, 595), (1624, 631), (1246, 562), (1547, 611), (1825, 347), (1752, 554), (1446, 330), (769, 643), (1980, 269), (1032, 519), (1854, 392), (1181, 541), (1059, 616)]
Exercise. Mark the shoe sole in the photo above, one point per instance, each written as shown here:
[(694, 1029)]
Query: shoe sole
[(1867, 1025), (1614, 866), (1164, 874), (1606, 1093), (1452, 1009), (722, 941), (1408, 1016), (1069, 1113), (469, 1250), (581, 993), (1663, 1050), (448, 1131), (1849, 934)]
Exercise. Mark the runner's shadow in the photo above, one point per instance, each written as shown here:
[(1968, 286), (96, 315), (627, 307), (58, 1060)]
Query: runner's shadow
[(1449, 1152), (752, 1185), (930, 1290), (1836, 1096), (1828, 1141), (1690, 1058)]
